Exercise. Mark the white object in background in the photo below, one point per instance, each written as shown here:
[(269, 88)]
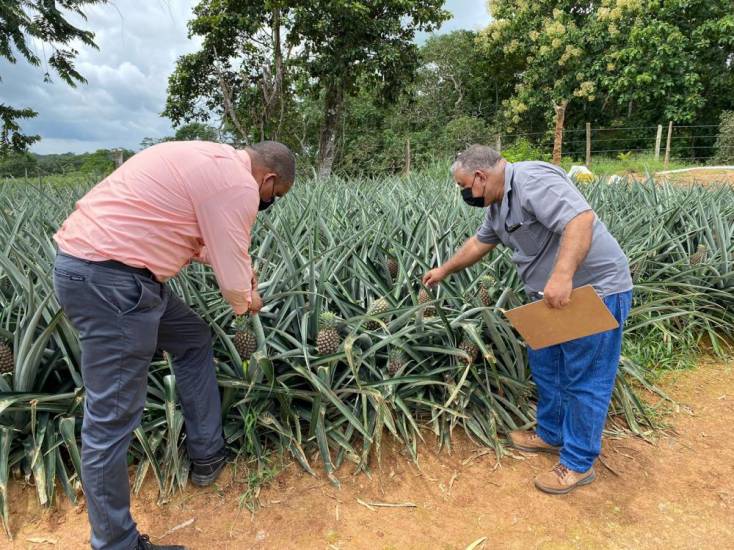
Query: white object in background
[(615, 179), (578, 169)]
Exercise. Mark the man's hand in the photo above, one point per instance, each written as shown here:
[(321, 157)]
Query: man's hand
[(557, 292), (257, 302), (434, 276)]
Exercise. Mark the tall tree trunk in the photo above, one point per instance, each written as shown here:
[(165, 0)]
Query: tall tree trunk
[(333, 107), (558, 139)]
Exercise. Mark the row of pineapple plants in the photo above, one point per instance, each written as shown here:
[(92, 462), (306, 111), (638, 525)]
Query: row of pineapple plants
[(349, 347)]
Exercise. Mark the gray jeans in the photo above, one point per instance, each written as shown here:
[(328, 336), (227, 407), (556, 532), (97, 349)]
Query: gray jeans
[(123, 316)]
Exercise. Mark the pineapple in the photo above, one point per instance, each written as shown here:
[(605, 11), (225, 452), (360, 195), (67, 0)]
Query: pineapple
[(7, 362), (471, 349), (392, 266), (244, 339), (377, 308), (423, 298), (485, 290), (327, 339), (699, 256), (395, 360)]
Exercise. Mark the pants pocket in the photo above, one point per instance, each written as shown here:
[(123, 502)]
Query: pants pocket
[(126, 293)]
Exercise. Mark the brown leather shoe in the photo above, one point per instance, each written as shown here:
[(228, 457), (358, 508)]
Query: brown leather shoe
[(530, 442), (560, 480)]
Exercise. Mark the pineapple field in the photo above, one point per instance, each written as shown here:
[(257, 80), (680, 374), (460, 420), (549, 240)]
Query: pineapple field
[(350, 349)]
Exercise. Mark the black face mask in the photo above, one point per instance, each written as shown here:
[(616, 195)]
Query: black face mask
[(264, 205), (470, 199)]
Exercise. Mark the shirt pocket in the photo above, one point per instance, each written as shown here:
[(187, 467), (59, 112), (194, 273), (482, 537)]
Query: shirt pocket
[(528, 238)]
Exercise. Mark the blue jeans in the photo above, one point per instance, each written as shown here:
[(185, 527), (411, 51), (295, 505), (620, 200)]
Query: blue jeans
[(122, 317), (575, 382)]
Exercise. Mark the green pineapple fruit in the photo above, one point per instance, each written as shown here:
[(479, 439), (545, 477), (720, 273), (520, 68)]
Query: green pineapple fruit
[(471, 349), (376, 309), (395, 361), (485, 290), (327, 339), (244, 339), (392, 266), (423, 298), (699, 256), (7, 362)]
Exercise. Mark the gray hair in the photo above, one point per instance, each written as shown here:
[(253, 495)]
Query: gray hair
[(476, 157), (278, 158)]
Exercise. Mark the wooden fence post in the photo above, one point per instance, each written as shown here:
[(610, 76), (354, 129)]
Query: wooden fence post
[(658, 140), (558, 139), (667, 146), (406, 166), (498, 143), (588, 144)]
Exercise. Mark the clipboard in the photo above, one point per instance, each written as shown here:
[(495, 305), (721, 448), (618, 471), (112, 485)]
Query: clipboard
[(541, 325)]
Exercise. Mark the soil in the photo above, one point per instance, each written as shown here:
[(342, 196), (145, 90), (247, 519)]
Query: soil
[(692, 177), (676, 491)]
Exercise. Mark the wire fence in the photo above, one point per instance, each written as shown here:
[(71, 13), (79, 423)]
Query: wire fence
[(669, 142)]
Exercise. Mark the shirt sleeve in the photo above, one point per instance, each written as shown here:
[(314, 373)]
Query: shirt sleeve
[(225, 220), (485, 234), (552, 199)]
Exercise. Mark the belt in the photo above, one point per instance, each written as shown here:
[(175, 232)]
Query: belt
[(114, 264)]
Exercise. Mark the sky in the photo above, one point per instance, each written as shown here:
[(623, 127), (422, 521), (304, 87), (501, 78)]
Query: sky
[(139, 43)]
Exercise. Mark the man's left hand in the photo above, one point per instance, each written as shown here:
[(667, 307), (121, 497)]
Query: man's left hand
[(557, 292)]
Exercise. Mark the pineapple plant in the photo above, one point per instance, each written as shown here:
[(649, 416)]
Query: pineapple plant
[(244, 339), (424, 297), (377, 308), (5, 287), (471, 349), (485, 290), (327, 339), (7, 362), (395, 361)]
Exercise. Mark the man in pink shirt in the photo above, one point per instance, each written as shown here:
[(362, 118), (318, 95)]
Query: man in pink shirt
[(169, 204)]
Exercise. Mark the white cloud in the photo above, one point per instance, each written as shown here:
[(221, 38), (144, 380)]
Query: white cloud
[(139, 43)]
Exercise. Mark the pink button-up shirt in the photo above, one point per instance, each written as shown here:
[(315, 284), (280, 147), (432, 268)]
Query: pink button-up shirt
[(167, 205)]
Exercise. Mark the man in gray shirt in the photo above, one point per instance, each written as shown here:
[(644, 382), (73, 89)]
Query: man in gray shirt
[(559, 244)]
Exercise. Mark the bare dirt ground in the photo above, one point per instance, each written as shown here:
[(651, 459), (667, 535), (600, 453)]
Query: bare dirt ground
[(677, 492), (700, 177)]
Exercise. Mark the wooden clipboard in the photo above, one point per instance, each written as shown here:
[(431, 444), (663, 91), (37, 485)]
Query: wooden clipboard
[(541, 325)]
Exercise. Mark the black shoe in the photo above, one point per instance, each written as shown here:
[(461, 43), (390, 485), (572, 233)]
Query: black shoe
[(145, 544), (205, 472)]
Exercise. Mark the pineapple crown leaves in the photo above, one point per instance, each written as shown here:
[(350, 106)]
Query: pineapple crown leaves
[(241, 323), (396, 354), (487, 281), (328, 320)]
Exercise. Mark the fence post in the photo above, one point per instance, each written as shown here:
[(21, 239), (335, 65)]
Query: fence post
[(588, 144), (498, 143), (560, 109), (406, 166), (658, 140), (667, 146)]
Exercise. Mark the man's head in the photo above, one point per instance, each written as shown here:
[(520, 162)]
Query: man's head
[(274, 170), (480, 172)]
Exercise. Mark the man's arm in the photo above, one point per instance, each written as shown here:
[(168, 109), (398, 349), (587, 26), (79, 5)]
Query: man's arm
[(470, 253), (225, 220), (575, 244)]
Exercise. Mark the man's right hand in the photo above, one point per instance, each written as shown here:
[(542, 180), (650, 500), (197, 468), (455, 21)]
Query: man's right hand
[(257, 303), (434, 276)]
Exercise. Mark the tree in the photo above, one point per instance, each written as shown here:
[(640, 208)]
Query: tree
[(613, 62), (263, 63), (22, 21), (370, 43)]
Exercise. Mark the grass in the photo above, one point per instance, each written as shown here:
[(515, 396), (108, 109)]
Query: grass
[(642, 164)]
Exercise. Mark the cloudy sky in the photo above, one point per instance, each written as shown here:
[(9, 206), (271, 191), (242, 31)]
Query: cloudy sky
[(139, 43)]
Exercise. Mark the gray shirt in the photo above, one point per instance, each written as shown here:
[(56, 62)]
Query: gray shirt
[(539, 201)]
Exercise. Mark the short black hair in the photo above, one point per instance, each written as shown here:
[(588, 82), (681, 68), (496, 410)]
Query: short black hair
[(278, 158)]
